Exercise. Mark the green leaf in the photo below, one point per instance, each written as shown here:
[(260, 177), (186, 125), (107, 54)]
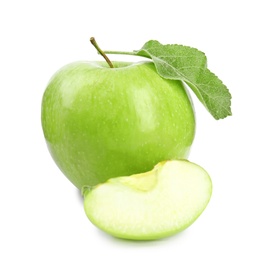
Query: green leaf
[(178, 62)]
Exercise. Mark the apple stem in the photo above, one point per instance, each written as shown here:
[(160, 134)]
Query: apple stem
[(94, 43)]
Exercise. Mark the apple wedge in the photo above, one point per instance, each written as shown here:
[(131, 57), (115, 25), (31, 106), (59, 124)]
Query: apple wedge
[(150, 205)]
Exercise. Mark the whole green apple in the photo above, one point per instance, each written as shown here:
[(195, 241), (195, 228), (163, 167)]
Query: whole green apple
[(102, 122)]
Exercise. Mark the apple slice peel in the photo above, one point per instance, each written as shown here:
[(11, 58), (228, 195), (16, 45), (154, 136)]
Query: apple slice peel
[(150, 205)]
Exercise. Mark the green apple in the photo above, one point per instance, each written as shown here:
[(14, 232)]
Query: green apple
[(150, 205), (102, 122)]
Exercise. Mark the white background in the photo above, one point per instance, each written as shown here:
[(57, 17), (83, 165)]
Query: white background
[(41, 212)]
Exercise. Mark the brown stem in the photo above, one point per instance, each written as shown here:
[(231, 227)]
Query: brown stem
[(94, 43)]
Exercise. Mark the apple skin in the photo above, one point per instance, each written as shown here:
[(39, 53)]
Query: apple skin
[(101, 122)]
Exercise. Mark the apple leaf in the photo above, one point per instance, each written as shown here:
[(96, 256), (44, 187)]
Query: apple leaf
[(178, 62)]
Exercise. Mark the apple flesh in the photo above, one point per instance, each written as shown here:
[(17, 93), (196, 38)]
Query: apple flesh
[(150, 205), (101, 122)]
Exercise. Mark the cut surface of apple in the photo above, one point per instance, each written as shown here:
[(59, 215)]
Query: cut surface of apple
[(150, 205)]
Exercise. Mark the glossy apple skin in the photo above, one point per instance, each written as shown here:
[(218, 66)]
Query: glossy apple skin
[(101, 123)]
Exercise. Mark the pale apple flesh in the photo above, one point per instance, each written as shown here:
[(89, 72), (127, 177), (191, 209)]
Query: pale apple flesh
[(101, 123), (150, 205)]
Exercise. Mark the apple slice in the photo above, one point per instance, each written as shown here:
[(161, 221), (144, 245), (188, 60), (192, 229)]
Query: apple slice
[(150, 205)]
